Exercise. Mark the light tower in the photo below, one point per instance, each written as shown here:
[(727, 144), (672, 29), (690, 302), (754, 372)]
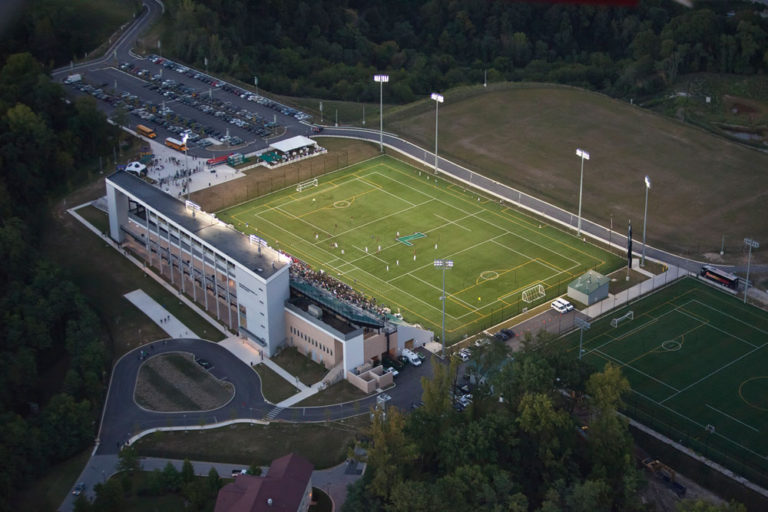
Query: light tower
[(438, 100), (584, 156), (645, 217), (443, 264), (381, 79)]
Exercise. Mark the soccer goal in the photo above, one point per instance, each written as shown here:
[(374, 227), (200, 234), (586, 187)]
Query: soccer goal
[(533, 293), (629, 315), (306, 184)]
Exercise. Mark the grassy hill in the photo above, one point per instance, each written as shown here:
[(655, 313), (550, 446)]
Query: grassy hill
[(526, 135)]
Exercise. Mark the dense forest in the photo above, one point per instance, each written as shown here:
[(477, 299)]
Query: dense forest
[(53, 366), (330, 48), (519, 445)]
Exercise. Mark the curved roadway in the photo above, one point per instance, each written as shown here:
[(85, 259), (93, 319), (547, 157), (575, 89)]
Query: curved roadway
[(123, 418)]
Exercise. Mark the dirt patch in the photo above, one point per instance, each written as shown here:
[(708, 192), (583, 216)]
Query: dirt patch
[(703, 184), (260, 180), (174, 382)]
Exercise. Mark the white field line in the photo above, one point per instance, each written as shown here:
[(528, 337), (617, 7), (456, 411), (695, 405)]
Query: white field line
[(455, 223), (511, 233), (709, 324), (726, 314), (732, 418), (621, 363), (714, 372), (381, 189), (673, 411)]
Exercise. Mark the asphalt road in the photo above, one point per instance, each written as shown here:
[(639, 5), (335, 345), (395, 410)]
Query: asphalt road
[(105, 73)]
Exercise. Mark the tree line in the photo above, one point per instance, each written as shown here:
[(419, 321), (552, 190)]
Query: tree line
[(331, 49), (53, 365), (542, 434)]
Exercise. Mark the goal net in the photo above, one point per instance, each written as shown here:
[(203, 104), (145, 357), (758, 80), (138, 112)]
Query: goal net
[(629, 315), (533, 293), (306, 184)]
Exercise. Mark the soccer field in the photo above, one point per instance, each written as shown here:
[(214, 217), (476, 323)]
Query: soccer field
[(695, 357), (380, 224)]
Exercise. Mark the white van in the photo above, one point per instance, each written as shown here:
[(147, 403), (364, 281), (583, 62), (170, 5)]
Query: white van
[(412, 357)]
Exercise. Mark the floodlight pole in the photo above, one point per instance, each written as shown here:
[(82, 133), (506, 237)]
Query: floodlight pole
[(751, 244), (584, 156), (645, 217), (438, 100), (382, 79), (583, 325), (443, 264)]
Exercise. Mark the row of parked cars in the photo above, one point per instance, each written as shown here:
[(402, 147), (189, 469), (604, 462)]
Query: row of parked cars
[(232, 89), (395, 366)]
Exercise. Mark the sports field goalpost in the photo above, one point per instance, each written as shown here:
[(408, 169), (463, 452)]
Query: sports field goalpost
[(629, 315), (533, 293), (306, 184)]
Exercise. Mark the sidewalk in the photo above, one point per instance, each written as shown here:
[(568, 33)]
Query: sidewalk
[(298, 397), (284, 374), (166, 321)]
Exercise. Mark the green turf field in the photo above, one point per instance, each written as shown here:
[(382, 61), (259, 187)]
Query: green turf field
[(695, 356), (380, 224)]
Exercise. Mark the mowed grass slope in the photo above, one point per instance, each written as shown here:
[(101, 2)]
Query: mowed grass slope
[(694, 356), (703, 186), (349, 227)]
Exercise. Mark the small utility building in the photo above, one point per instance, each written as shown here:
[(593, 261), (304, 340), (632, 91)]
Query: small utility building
[(589, 288)]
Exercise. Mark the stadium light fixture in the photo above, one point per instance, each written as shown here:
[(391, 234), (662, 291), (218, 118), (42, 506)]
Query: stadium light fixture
[(443, 264), (438, 98), (381, 79), (752, 244), (583, 325), (584, 156), (645, 217)]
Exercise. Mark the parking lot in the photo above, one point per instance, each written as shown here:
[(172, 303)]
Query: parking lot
[(172, 99)]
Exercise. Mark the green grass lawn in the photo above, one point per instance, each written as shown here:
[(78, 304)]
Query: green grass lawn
[(525, 135), (338, 393), (301, 366), (274, 387), (380, 224), (323, 444), (694, 356)]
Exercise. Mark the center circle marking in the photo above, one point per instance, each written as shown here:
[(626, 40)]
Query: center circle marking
[(671, 345), (759, 407), (341, 204), (489, 275)]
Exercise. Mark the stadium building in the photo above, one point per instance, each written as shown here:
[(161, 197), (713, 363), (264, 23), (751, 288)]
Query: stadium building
[(246, 285)]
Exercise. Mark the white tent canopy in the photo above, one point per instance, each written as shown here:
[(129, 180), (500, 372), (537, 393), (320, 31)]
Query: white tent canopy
[(135, 167), (297, 142)]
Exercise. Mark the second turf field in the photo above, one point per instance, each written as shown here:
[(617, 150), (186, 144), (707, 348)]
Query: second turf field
[(695, 357), (380, 224)]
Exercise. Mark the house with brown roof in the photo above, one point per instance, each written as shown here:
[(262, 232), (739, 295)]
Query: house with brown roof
[(287, 487)]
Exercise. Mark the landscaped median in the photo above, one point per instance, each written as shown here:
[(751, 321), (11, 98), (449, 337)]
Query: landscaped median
[(323, 444), (174, 382)]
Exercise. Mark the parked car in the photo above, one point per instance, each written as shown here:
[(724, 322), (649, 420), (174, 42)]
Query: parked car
[(561, 306), (509, 332), (79, 488), (412, 357), (392, 370), (238, 472), (204, 363), (465, 354), (388, 362)]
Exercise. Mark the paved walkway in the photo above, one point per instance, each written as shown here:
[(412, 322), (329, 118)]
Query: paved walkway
[(244, 349), (167, 322), (284, 374), (303, 394)]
